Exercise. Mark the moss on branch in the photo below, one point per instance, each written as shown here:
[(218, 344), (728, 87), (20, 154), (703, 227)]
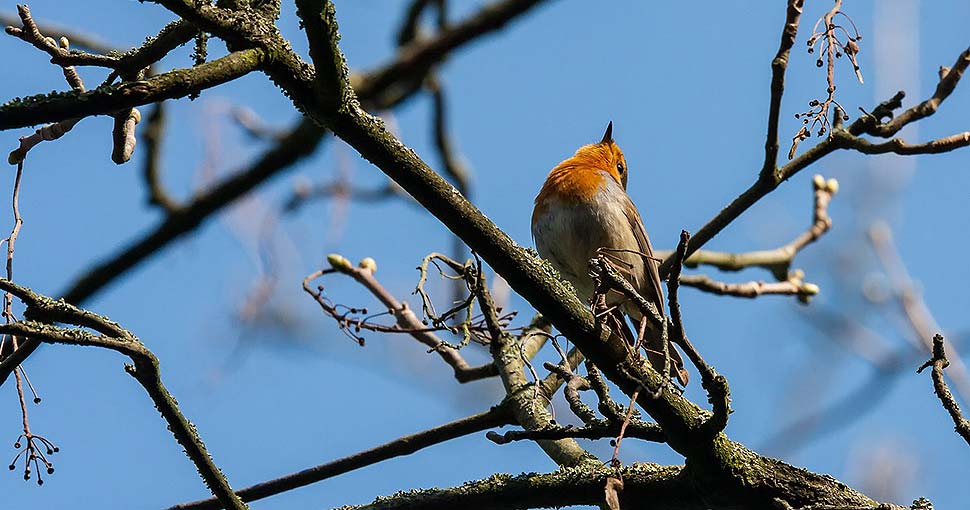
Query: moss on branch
[(58, 106)]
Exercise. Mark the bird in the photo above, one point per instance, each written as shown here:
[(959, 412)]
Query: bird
[(583, 207)]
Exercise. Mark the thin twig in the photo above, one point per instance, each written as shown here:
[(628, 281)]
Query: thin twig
[(778, 67), (718, 393), (406, 321), (939, 362), (405, 445)]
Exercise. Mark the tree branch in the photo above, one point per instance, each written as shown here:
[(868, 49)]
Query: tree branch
[(60, 106), (524, 397), (525, 273), (939, 362), (406, 445), (604, 429), (778, 66), (778, 260), (566, 487), (869, 123), (791, 287), (949, 77), (145, 370), (899, 146), (406, 321)]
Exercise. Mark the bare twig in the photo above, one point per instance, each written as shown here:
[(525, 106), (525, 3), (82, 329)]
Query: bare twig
[(406, 321), (778, 260), (946, 85), (794, 286), (30, 33), (718, 393), (939, 362), (83, 40), (778, 67), (900, 146), (36, 449), (819, 114), (405, 445)]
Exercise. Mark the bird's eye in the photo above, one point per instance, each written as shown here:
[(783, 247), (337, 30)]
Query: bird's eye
[(619, 168)]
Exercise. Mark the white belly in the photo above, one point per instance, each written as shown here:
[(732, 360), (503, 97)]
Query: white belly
[(568, 235)]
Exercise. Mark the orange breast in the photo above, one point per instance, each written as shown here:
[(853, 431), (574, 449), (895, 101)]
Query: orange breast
[(579, 177)]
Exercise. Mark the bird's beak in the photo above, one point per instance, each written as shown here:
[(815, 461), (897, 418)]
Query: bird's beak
[(608, 136)]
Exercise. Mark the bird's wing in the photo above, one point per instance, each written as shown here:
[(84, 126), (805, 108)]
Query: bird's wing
[(651, 291), (651, 288)]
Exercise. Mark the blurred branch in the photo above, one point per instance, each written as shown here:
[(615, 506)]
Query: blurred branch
[(406, 445), (835, 415), (299, 141), (341, 188), (145, 369), (418, 57), (451, 162), (939, 362), (153, 133), (917, 313)]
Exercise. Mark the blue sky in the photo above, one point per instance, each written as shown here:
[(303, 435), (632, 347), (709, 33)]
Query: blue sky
[(686, 88)]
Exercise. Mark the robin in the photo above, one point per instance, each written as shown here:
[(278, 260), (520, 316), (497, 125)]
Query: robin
[(583, 207)]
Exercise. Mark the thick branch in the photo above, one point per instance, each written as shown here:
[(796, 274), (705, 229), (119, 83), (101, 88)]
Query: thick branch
[(663, 487), (525, 400), (59, 106)]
